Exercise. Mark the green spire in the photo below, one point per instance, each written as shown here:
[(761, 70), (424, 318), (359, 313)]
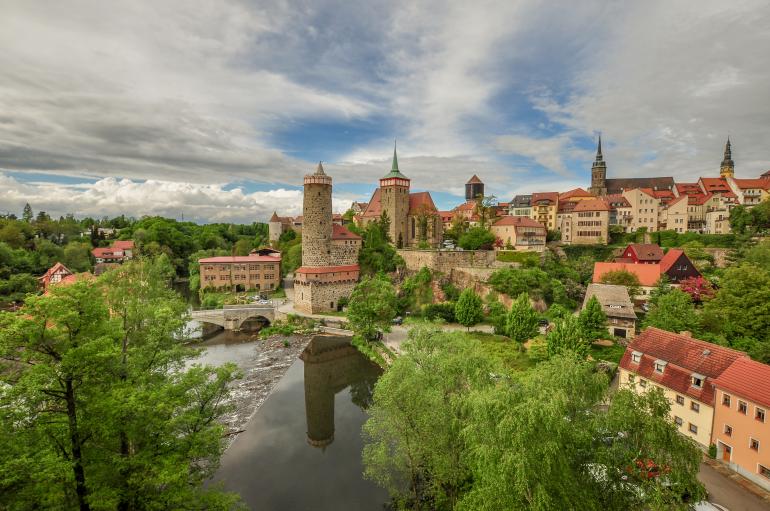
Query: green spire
[(394, 172)]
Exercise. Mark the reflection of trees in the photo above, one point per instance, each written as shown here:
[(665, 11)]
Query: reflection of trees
[(361, 391)]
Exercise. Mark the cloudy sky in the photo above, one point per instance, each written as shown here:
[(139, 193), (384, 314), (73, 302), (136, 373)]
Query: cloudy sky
[(214, 109)]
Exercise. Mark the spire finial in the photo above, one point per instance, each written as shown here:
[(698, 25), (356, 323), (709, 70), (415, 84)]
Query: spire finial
[(394, 166), (319, 170)]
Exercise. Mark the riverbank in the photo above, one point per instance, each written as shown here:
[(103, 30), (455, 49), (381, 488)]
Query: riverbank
[(262, 364)]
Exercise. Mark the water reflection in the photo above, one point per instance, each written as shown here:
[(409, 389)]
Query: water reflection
[(309, 457)]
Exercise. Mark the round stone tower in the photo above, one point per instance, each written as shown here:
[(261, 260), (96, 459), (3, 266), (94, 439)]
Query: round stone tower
[(274, 227), (317, 219)]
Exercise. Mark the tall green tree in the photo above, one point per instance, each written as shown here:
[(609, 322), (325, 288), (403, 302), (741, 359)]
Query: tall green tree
[(469, 309), (623, 278), (674, 312), (477, 238), (372, 307), (115, 417), (566, 336), (27, 214), (593, 320), (522, 320)]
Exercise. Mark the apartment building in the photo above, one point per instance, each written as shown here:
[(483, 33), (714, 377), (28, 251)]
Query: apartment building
[(545, 208), (519, 233), (584, 221), (644, 209), (241, 273)]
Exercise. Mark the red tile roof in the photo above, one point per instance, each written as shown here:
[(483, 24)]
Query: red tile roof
[(327, 269), (688, 188), (577, 192), (106, 253), (446, 216), (123, 245), (421, 200), (684, 356), (646, 251), (677, 200), (714, 184), (374, 206), (466, 206), (748, 379), (648, 274), (252, 258), (549, 196), (752, 183), (342, 233), (699, 199), (518, 221), (617, 201), (474, 180), (670, 258), (592, 205)]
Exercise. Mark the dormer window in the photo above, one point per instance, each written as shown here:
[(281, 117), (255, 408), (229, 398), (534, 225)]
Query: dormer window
[(636, 357), (697, 380), (660, 366)]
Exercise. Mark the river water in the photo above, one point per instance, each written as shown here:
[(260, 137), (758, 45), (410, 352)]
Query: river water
[(302, 449)]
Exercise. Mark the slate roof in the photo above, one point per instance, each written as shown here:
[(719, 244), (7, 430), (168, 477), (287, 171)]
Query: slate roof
[(617, 185), (748, 379), (523, 201), (614, 300), (684, 356)]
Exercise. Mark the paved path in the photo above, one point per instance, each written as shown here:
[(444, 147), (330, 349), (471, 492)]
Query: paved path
[(728, 492)]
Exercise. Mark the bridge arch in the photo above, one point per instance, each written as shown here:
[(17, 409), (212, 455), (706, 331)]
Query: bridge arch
[(254, 323)]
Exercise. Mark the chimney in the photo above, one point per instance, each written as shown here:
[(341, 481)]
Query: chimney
[(685, 333)]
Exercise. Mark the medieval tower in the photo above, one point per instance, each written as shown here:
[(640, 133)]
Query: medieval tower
[(727, 169), (473, 188), (599, 173), (394, 194), (329, 268)]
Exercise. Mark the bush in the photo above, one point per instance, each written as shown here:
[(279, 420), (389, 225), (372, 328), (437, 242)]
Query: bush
[(477, 238), (526, 259), (712, 451), (445, 311)]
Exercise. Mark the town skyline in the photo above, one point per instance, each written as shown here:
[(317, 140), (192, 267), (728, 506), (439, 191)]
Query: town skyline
[(216, 114)]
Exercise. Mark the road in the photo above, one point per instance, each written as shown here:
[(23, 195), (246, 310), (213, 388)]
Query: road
[(728, 493)]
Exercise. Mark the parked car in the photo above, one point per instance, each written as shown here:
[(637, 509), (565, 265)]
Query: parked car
[(398, 320)]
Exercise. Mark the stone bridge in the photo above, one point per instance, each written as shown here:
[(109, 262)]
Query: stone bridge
[(232, 317)]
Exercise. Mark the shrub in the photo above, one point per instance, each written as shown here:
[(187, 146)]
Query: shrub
[(445, 311)]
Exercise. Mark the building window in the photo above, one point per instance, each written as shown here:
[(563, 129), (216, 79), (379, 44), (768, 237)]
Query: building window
[(678, 421), (726, 399), (659, 366), (680, 400), (728, 430), (759, 415), (753, 444), (697, 381), (742, 407), (693, 428), (764, 471), (695, 407), (642, 383), (631, 378), (636, 357)]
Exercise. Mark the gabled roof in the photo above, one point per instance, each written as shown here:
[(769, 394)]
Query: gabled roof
[(699, 199), (648, 191), (685, 356), (752, 183), (617, 200), (648, 274), (275, 217), (55, 269), (577, 192), (618, 185), (374, 206), (670, 258), (123, 245), (421, 200), (677, 200), (518, 221), (743, 378), (466, 206), (340, 232), (545, 196), (446, 216), (592, 205), (474, 180), (614, 300), (714, 184), (765, 175), (646, 251), (523, 201), (688, 188)]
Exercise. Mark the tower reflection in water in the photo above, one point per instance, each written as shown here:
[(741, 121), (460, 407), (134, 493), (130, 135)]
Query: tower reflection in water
[(331, 365)]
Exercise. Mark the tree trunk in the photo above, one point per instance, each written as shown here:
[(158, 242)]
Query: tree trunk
[(77, 455)]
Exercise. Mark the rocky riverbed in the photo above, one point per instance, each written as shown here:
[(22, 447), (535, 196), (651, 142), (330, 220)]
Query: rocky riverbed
[(262, 363)]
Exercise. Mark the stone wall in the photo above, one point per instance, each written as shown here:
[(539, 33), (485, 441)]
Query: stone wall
[(719, 255), (444, 261), (317, 221), (318, 297), (345, 252)]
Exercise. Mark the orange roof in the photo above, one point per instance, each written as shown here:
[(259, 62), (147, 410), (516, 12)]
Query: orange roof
[(274, 218), (123, 245), (340, 232), (446, 216), (252, 258), (670, 258), (676, 200), (714, 184), (53, 269), (549, 196), (742, 378), (577, 192), (474, 180), (688, 188), (592, 205), (518, 221), (466, 206), (419, 200), (648, 191), (374, 206), (617, 201), (699, 199), (327, 269), (648, 274), (752, 183)]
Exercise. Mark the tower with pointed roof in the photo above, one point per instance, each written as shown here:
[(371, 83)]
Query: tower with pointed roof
[(394, 196), (473, 188), (727, 169), (317, 218), (599, 173)]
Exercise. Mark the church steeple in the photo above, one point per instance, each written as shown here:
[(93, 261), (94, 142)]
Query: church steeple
[(727, 169), (394, 172), (599, 173)]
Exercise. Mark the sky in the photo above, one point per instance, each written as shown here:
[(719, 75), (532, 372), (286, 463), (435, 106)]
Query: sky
[(213, 110)]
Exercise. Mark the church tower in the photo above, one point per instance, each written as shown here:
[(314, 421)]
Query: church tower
[(727, 169), (394, 196), (317, 219), (599, 173)]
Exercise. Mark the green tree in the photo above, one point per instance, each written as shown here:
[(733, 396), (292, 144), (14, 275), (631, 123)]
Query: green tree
[(292, 259), (477, 238), (114, 416), (623, 278), (522, 320), (242, 247), (567, 335), (372, 307), (674, 312), (662, 287), (77, 256), (498, 316), (593, 320), (469, 309), (27, 214)]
